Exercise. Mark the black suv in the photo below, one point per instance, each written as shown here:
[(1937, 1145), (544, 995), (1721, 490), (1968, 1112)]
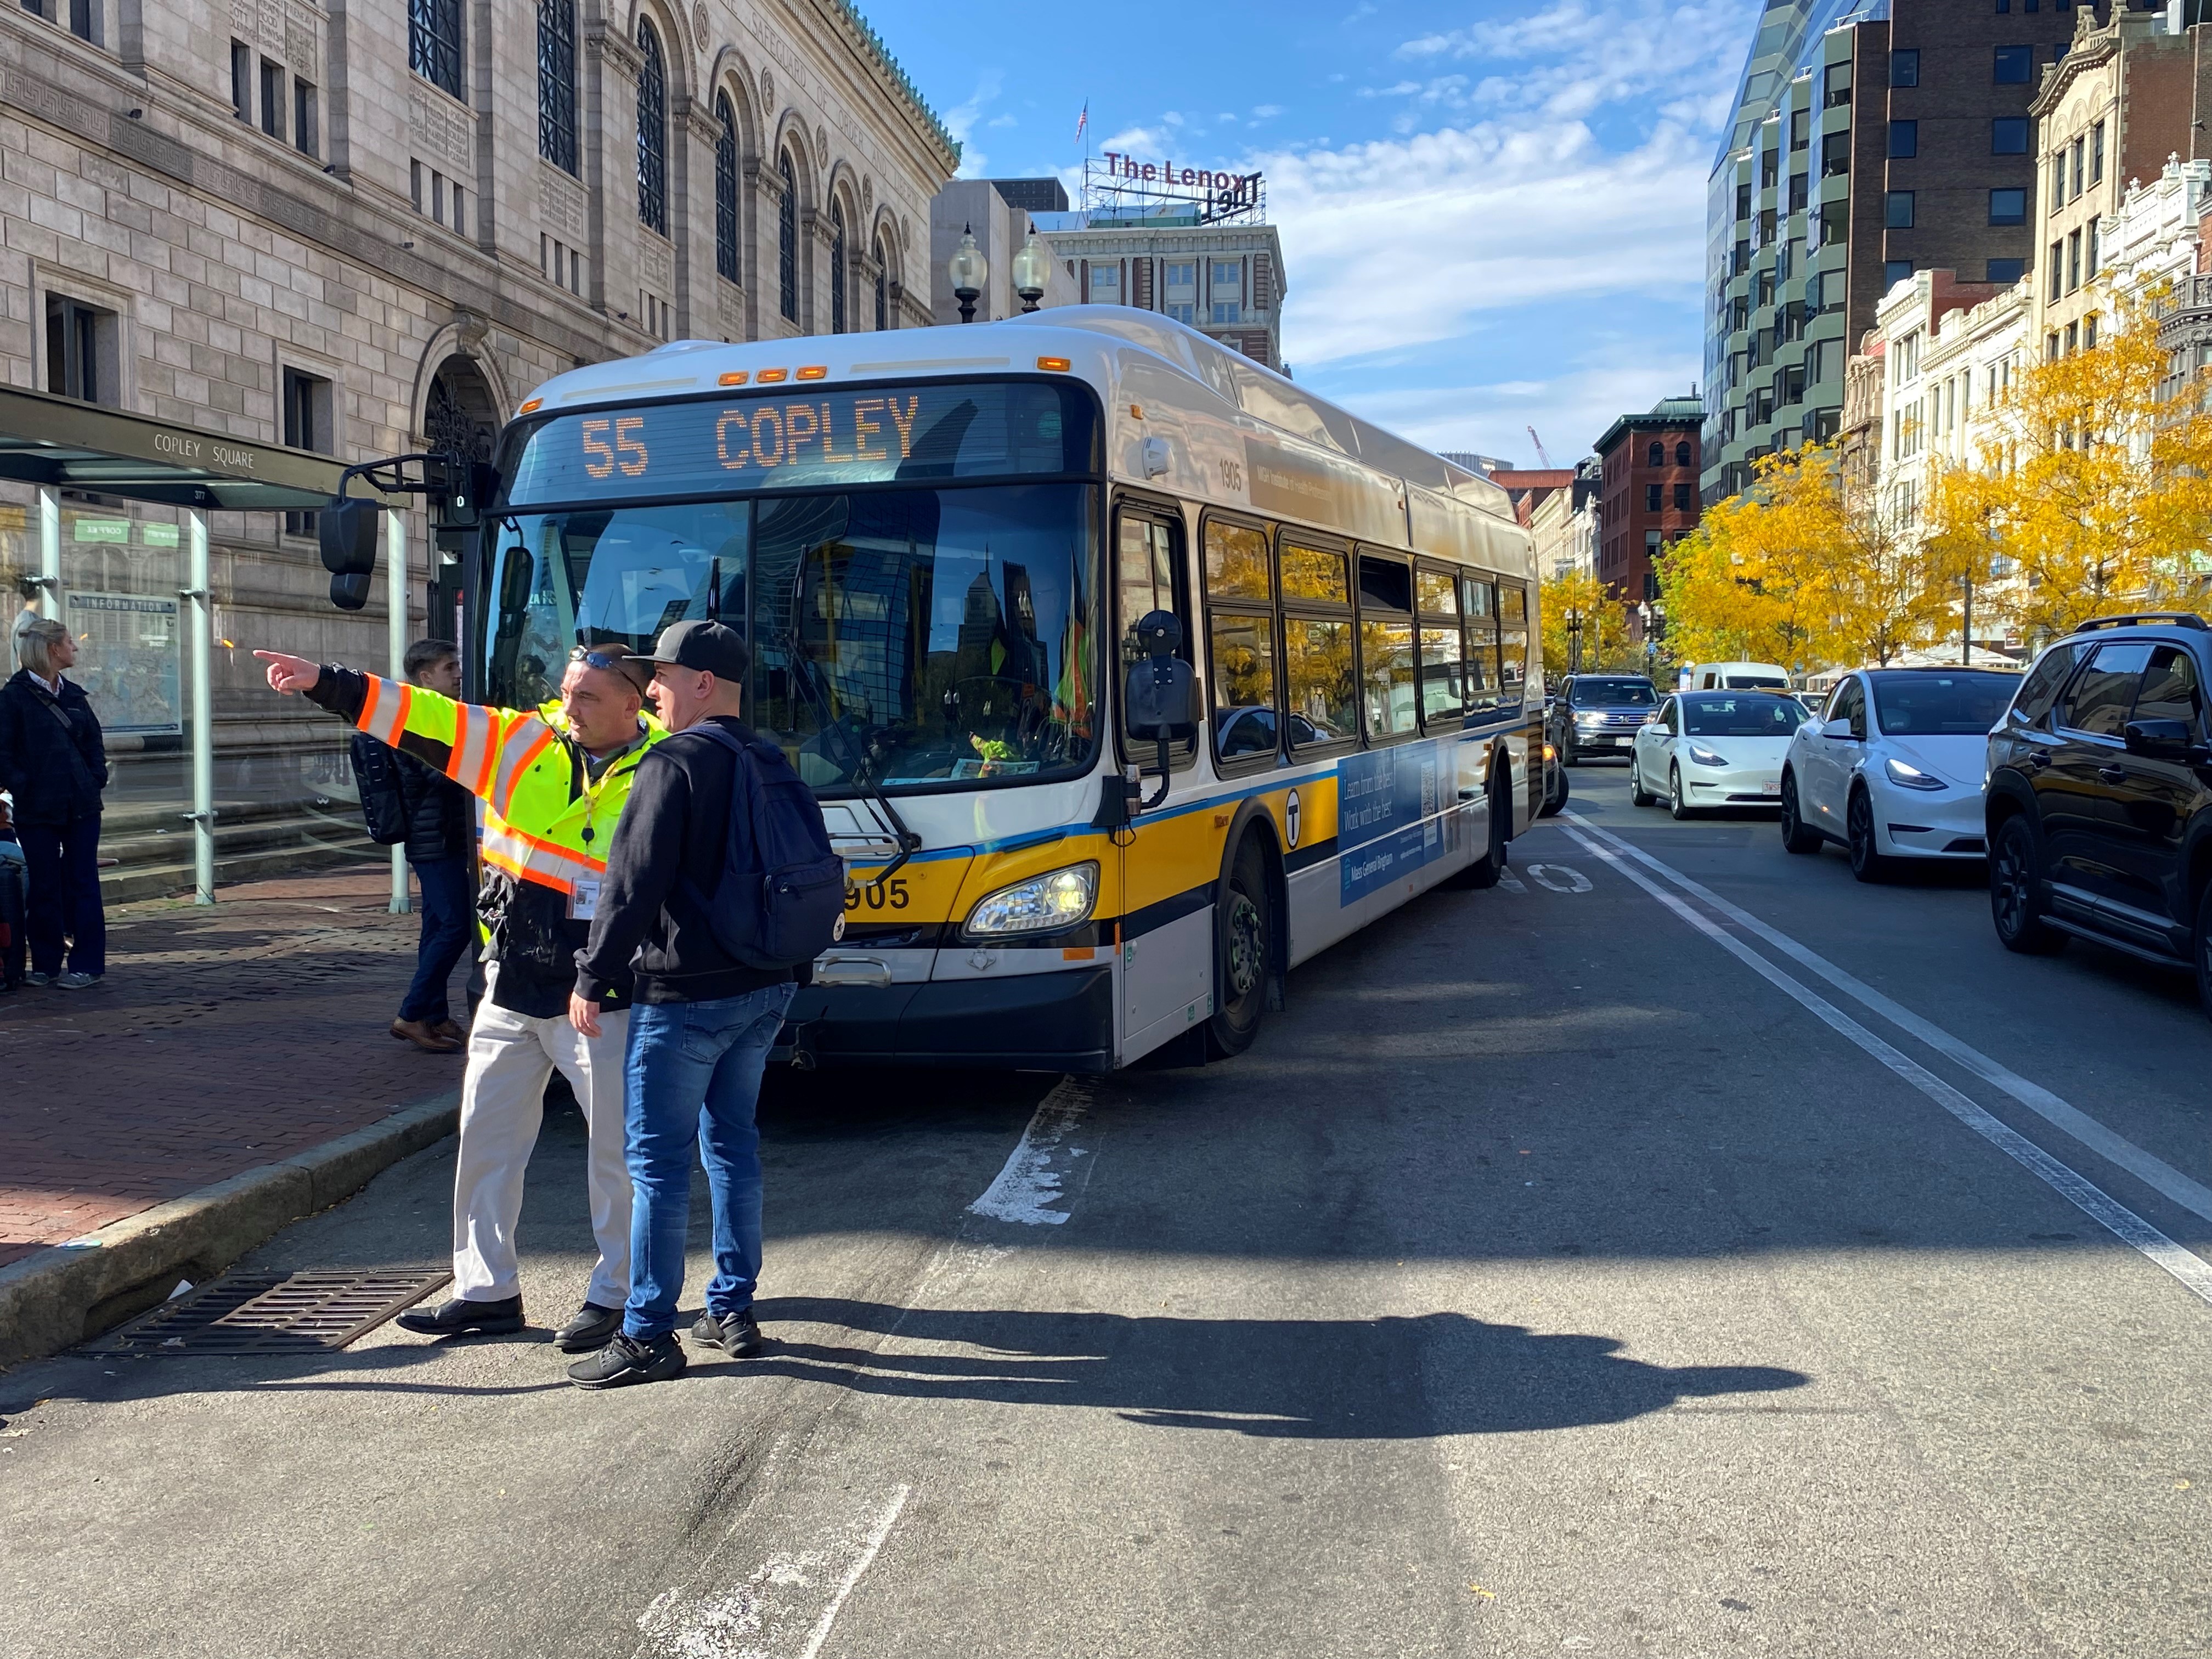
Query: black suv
[(1599, 714), (2099, 795)]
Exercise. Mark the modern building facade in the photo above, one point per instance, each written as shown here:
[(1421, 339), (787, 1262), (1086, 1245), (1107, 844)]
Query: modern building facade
[(1648, 471), (367, 231), (1868, 142), (1227, 281), (1000, 214)]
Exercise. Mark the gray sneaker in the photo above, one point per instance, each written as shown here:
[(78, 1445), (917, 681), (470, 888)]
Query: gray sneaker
[(74, 980), (39, 979)]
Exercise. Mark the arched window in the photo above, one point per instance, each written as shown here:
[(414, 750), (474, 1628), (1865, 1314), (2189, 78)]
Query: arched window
[(556, 83), (725, 188), (1658, 455), (651, 131), (836, 266), (1682, 452), (882, 285), (786, 238)]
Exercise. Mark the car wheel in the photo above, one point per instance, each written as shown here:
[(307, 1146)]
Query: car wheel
[(1867, 863), (2204, 950), (1555, 798), (1638, 795), (1676, 804), (2016, 871), (1797, 835), (1484, 871), (1243, 953)]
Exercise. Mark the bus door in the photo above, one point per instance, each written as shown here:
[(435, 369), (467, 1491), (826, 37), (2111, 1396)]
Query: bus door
[(1152, 574)]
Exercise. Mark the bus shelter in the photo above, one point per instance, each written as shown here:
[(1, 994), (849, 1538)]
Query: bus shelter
[(114, 494)]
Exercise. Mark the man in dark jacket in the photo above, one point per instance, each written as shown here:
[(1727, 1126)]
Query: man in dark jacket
[(702, 1023), (441, 831), (54, 763)]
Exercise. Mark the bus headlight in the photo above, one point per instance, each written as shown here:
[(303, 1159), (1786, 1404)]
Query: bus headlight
[(1043, 904)]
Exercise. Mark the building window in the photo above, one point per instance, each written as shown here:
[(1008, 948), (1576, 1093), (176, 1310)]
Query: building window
[(725, 188), (2009, 136), (2089, 272), (556, 83), (1652, 497), (1835, 155), (2089, 333), (2014, 65), (1836, 86), (433, 42), (1105, 285), (786, 238), (1225, 289), (1770, 168), (2007, 271), (1800, 192), (1681, 498), (1800, 130), (1897, 210), (1743, 200), (2097, 153), (1904, 140), (1656, 456), (1905, 67), (241, 80), (651, 131), (2007, 207), (306, 425), (2056, 286), (2079, 152), (836, 266), (272, 99), (1894, 272), (82, 358), (306, 128), (883, 287), (1682, 453)]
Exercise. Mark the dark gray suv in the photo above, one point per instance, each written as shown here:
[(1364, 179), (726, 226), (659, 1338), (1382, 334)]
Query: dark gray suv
[(1600, 714), (2099, 795)]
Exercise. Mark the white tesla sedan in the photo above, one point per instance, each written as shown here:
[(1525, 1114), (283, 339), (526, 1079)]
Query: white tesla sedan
[(1706, 749), (1895, 769)]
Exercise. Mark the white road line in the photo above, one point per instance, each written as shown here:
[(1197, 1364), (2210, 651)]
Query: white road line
[(1036, 1170), (2192, 1270), (857, 1570), (2148, 1168), (1511, 883)]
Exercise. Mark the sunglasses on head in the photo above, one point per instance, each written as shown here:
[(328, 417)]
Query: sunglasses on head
[(591, 659)]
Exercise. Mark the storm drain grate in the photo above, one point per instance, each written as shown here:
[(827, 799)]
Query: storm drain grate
[(274, 1313)]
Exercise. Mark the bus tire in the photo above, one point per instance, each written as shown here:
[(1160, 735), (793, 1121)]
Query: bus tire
[(1485, 870), (1243, 952)]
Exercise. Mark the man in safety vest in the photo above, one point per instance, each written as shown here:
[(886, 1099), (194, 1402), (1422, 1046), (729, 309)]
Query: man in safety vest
[(553, 782)]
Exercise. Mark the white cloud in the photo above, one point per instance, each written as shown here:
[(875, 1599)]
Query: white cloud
[(1569, 411), (963, 119), (1574, 56)]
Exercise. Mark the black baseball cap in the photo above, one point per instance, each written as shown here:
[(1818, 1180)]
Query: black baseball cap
[(706, 646)]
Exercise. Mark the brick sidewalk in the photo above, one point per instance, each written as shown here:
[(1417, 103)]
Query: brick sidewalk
[(222, 1038)]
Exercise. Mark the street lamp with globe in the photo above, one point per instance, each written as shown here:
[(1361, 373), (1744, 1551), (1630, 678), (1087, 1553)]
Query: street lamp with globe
[(1032, 270), (968, 271)]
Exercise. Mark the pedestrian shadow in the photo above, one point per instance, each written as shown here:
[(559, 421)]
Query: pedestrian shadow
[(1392, 1378)]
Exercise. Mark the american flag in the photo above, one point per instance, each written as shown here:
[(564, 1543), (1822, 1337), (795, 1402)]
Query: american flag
[(1083, 121)]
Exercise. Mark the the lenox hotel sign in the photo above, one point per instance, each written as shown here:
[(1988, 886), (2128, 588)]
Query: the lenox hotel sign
[(1232, 186)]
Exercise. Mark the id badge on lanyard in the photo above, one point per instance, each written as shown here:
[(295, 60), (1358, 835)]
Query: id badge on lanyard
[(583, 898)]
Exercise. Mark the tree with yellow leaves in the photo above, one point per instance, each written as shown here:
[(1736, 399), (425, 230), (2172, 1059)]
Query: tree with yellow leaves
[(1605, 642)]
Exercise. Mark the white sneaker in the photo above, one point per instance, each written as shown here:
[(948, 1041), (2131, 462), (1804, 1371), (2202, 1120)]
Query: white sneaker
[(74, 980)]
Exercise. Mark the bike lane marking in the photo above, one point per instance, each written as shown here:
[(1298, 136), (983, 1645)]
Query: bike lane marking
[(2123, 1223)]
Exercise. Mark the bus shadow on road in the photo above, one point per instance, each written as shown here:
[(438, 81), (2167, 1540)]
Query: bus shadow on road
[(1392, 1378)]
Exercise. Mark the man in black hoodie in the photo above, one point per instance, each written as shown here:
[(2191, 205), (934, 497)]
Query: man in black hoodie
[(702, 1023)]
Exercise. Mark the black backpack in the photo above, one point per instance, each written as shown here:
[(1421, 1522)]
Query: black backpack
[(376, 770), (781, 891)]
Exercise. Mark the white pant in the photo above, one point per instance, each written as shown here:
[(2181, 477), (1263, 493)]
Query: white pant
[(511, 1060)]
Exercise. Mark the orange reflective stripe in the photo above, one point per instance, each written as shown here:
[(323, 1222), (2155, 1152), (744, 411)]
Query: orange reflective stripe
[(470, 762), (514, 760), (549, 854), (531, 859), (384, 711)]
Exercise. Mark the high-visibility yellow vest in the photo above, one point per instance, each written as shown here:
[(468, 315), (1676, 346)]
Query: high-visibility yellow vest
[(545, 820)]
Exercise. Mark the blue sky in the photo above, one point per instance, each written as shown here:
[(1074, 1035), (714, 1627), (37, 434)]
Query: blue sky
[(1492, 215)]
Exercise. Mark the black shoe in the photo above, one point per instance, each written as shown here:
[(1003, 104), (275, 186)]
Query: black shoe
[(737, 1334), (460, 1317), (625, 1360), (593, 1327)]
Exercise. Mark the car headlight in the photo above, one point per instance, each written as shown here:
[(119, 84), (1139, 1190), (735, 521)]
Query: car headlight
[(1593, 717), (1704, 757), (1910, 777), (1043, 904)]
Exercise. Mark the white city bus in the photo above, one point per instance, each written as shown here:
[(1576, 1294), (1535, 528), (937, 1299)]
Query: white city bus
[(937, 542)]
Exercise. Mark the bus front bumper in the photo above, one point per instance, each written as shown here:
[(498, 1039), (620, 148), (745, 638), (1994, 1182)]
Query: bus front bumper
[(1060, 1022)]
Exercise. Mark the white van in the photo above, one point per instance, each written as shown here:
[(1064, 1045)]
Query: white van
[(1734, 677)]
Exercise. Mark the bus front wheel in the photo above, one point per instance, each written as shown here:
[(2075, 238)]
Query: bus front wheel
[(1484, 871), (1243, 950)]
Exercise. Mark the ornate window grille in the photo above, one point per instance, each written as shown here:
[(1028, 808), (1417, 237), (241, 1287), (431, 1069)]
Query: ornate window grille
[(433, 42), (838, 268), (556, 83), (725, 188), (651, 131), (786, 238)]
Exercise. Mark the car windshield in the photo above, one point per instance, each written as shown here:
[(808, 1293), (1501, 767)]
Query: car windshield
[(915, 636), (1756, 682), (1748, 715), (1612, 693), (1964, 704)]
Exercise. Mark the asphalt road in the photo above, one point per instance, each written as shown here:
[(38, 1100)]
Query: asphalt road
[(1589, 1266)]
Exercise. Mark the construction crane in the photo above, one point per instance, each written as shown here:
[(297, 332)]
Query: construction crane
[(1540, 455)]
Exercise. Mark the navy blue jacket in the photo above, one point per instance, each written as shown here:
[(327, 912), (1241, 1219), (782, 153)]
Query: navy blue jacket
[(55, 768)]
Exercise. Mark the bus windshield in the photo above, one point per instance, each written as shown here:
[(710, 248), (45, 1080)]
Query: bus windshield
[(929, 637)]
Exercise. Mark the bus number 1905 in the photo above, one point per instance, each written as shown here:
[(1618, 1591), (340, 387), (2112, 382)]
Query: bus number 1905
[(875, 895)]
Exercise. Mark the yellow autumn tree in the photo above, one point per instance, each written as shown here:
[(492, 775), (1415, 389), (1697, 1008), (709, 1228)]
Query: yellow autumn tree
[(1604, 618)]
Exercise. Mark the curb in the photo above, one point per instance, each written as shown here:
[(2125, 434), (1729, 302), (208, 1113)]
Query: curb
[(61, 1295)]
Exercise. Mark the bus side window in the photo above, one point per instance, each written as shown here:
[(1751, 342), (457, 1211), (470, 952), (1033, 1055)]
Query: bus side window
[(1240, 620), (1478, 604), (1512, 641), (1149, 576)]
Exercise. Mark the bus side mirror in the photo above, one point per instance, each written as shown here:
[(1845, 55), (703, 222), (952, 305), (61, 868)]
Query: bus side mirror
[(1159, 697), (346, 532)]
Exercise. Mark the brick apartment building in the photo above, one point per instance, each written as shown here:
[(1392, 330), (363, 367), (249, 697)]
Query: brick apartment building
[(1648, 468)]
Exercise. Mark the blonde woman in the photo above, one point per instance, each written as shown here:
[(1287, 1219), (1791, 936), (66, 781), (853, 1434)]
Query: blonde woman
[(51, 761)]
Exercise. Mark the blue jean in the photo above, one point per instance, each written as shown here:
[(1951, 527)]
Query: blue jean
[(692, 1076), (64, 872), (448, 919)]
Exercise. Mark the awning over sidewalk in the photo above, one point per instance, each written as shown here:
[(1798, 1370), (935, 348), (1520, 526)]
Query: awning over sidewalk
[(67, 445)]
